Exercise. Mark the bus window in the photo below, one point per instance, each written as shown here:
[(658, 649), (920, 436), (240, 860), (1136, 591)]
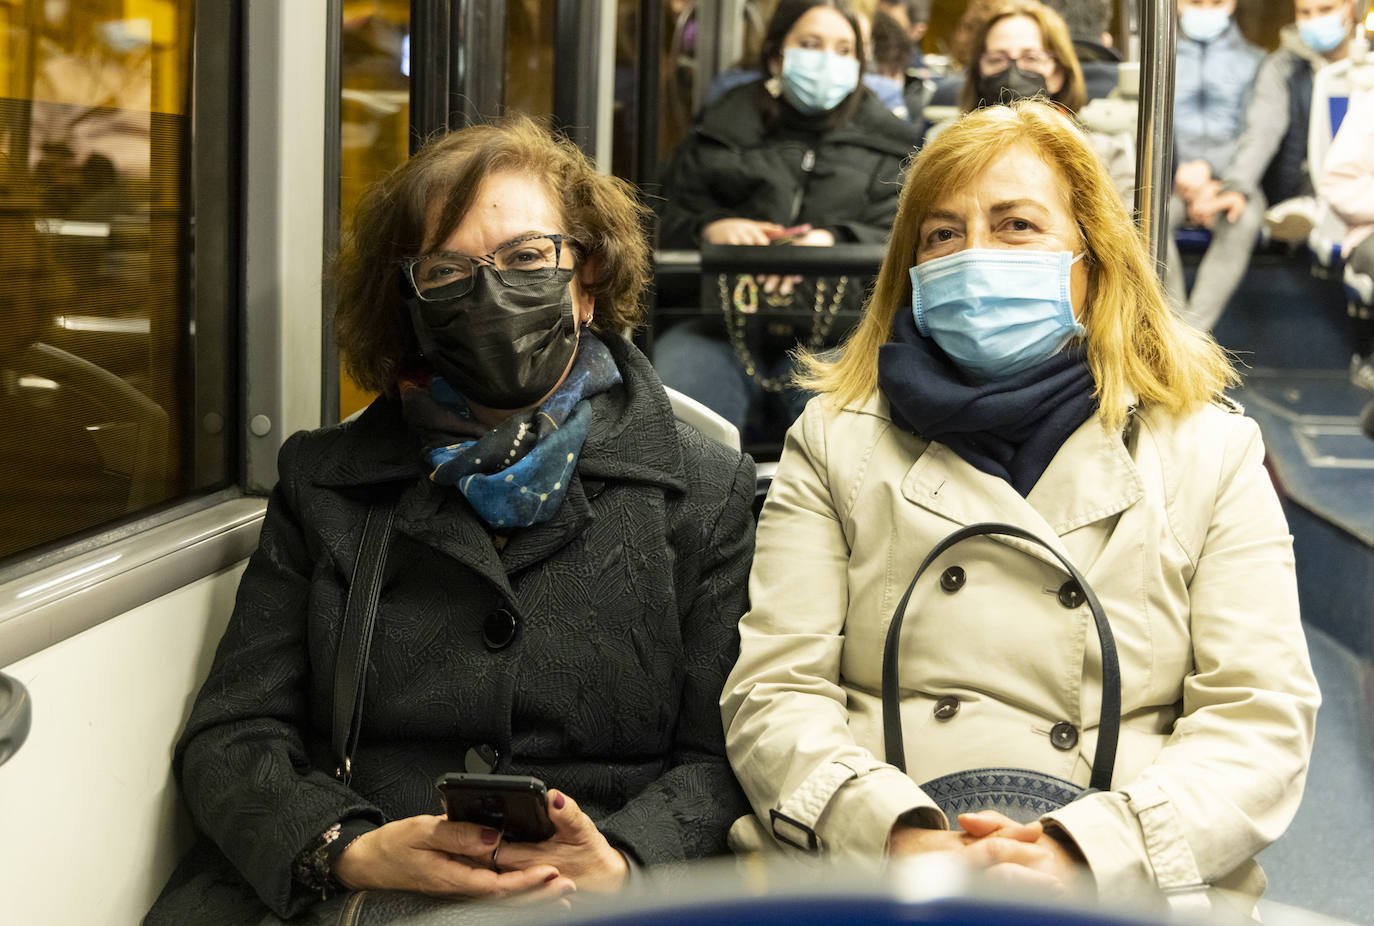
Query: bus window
[(96, 329)]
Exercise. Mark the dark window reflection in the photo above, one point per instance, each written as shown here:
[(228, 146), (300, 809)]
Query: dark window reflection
[(94, 324)]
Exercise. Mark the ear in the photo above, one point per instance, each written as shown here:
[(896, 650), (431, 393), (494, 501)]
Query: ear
[(587, 277)]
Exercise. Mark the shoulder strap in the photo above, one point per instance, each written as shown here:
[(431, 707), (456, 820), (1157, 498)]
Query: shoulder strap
[(355, 639), (1109, 723)]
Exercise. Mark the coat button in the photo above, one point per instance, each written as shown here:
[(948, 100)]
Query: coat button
[(953, 578), (946, 707), (1071, 595), (481, 760), (1063, 735), (498, 630)]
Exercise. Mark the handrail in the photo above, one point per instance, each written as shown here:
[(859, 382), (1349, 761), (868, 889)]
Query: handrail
[(858, 259), (16, 715), (1155, 122)]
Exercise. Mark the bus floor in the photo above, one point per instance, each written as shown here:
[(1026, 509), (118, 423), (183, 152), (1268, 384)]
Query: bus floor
[(1290, 331)]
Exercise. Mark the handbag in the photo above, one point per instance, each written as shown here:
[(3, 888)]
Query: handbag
[(1023, 795), (816, 314)]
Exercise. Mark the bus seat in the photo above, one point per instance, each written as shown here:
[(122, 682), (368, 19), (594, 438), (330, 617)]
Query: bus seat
[(1192, 239), (689, 411)]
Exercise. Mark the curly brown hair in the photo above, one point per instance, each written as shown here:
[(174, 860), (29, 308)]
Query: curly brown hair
[(602, 215)]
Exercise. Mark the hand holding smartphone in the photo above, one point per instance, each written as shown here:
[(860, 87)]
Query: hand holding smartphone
[(517, 805), (789, 235)]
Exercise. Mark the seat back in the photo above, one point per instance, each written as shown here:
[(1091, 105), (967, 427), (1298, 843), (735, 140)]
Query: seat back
[(689, 411)]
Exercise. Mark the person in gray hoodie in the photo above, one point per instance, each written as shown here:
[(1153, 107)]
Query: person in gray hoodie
[(1269, 164), (1213, 77)]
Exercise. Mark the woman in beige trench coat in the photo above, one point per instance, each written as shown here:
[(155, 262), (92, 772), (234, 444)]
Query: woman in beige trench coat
[(1041, 381)]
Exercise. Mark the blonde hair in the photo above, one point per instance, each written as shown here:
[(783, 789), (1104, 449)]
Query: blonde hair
[(1137, 349), (1053, 32)]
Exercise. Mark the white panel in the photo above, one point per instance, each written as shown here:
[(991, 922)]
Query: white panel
[(92, 820)]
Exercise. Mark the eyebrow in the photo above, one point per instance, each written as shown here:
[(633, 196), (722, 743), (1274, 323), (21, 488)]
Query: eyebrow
[(511, 240), (942, 215), (1012, 205)]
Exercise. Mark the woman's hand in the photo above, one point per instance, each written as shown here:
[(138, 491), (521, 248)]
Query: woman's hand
[(435, 856), (740, 231), (1051, 859), (1191, 179), (577, 850), (1017, 853), (1204, 210)]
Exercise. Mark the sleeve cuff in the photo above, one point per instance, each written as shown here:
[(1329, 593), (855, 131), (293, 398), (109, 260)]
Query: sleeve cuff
[(1106, 831), (863, 811)]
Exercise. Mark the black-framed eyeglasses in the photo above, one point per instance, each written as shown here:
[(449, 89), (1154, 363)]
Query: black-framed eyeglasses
[(524, 261), (1041, 62)]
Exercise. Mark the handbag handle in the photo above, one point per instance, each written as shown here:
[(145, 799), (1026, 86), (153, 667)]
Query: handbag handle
[(355, 639), (1109, 721)]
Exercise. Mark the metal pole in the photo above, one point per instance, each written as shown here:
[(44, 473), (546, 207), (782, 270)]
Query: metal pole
[(648, 87), (1155, 128)]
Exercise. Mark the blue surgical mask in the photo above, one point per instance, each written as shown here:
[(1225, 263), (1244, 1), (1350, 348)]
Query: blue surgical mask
[(816, 81), (996, 312), (1324, 33), (1203, 25)]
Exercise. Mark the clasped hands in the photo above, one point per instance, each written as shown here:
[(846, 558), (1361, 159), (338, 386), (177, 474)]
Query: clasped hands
[(1020, 854), (433, 855), (1202, 195), (749, 231)]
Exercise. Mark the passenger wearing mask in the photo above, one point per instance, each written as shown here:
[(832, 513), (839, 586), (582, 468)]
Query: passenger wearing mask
[(565, 572), (1017, 363), (1269, 164), (808, 147), (1024, 50), (1213, 78)]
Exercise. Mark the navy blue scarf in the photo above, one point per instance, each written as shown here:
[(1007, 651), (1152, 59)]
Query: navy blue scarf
[(1010, 428), (517, 473)]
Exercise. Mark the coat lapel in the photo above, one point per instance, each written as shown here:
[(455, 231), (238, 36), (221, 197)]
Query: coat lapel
[(1091, 477)]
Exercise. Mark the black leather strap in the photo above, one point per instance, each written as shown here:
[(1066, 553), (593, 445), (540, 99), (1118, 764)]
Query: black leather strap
[(355, 640), (1109, 723)]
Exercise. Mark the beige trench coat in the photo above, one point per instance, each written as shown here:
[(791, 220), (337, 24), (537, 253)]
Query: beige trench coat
[(1176, 526)]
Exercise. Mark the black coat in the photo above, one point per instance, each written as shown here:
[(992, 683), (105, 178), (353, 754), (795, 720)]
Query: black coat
[(735, 165), (626, 605)]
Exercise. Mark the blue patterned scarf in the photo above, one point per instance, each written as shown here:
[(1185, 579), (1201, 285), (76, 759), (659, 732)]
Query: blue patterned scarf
[(517, 473)]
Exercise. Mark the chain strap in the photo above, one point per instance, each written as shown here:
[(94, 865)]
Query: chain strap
[(745, 301)]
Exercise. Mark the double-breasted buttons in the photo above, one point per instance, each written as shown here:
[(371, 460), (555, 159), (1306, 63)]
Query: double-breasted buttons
[(481, 759), (946, 707), (498, 630), (953, 578), (1063, 735), (1071, 595)]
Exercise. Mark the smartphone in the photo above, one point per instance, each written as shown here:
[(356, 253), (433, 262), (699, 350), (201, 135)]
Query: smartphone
[(517, 805), (788, 235)]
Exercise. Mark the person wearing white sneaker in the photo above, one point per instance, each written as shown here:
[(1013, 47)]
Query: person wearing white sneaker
[(1270, 161)]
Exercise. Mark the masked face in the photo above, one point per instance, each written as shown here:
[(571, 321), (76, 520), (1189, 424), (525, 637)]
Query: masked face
[(1010, 85), (501, 325), (996, 284), (820, 65)]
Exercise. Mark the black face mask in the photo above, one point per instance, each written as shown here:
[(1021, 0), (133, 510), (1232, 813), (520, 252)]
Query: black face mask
[(1009, 85), (500, 346)]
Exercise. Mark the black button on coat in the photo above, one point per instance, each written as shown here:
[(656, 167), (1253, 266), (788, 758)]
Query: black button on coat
[(626, 607)]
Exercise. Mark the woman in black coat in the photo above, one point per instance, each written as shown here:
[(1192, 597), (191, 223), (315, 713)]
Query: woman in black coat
[(808, 156), (560, 597)]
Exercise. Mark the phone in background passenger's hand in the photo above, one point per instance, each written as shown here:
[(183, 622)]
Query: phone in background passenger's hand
[(788, 235)]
